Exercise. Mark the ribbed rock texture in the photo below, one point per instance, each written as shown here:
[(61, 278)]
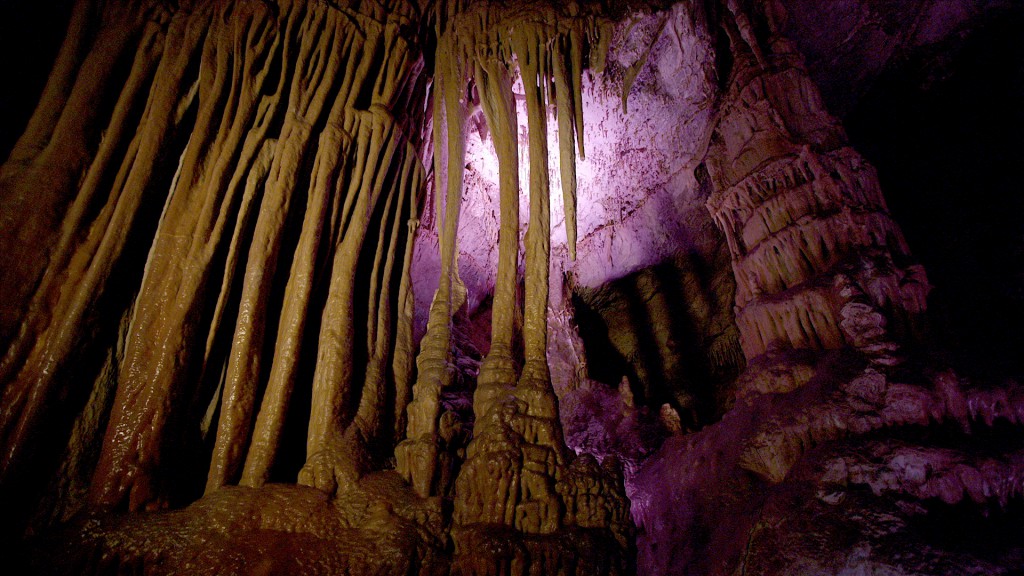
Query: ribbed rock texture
[(846, 452), (474, 287)]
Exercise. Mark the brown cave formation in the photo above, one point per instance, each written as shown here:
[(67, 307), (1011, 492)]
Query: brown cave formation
[(488, 287)]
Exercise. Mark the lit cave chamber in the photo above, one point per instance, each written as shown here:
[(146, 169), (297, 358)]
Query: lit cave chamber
[(522, 287)]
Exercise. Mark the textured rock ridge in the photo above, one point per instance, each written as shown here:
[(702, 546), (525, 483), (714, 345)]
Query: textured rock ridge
[(813, 247)]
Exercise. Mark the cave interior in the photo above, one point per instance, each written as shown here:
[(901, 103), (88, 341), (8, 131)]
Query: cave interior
[(517, 287)]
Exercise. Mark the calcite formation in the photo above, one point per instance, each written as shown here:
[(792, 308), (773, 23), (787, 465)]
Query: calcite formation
[(708, 356), (813, 247), (518, 477), (828, 305)]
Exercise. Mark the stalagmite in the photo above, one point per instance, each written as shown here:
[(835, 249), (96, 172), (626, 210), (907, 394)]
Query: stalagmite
[(798, 208), (402, 364), (834, 431)]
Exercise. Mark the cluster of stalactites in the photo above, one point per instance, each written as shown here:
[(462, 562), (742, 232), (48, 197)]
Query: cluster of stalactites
[(292, 173), (483, 48), (547, 45)]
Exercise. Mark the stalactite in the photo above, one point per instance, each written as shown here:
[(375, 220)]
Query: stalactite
[(58, 319), (261, 92), (254, 182), (259, 330), (483, 42), (370, 417), (333, 380), (266, 433), (159, 357), (238, 395), (57, 151), (567, 111), (746, 31), (515, 473), (634, 69)]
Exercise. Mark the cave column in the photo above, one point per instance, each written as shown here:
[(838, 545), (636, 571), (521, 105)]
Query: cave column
[(818, 261), (417, 456), (498, 371), (538, 233), (535, 381)]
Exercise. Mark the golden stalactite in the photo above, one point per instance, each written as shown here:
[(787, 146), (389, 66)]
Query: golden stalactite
[(487, 45), (291, 171)]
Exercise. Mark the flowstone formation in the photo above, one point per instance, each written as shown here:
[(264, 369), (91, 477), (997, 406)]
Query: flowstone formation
[(845, 443), (522, 500), (272, 311), (708, 356)]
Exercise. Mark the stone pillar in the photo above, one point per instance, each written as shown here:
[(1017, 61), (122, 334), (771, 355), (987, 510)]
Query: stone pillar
[(819, 262)]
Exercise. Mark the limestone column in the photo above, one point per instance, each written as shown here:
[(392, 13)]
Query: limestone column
[(417, 455), (498, 372), (819, 263)]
